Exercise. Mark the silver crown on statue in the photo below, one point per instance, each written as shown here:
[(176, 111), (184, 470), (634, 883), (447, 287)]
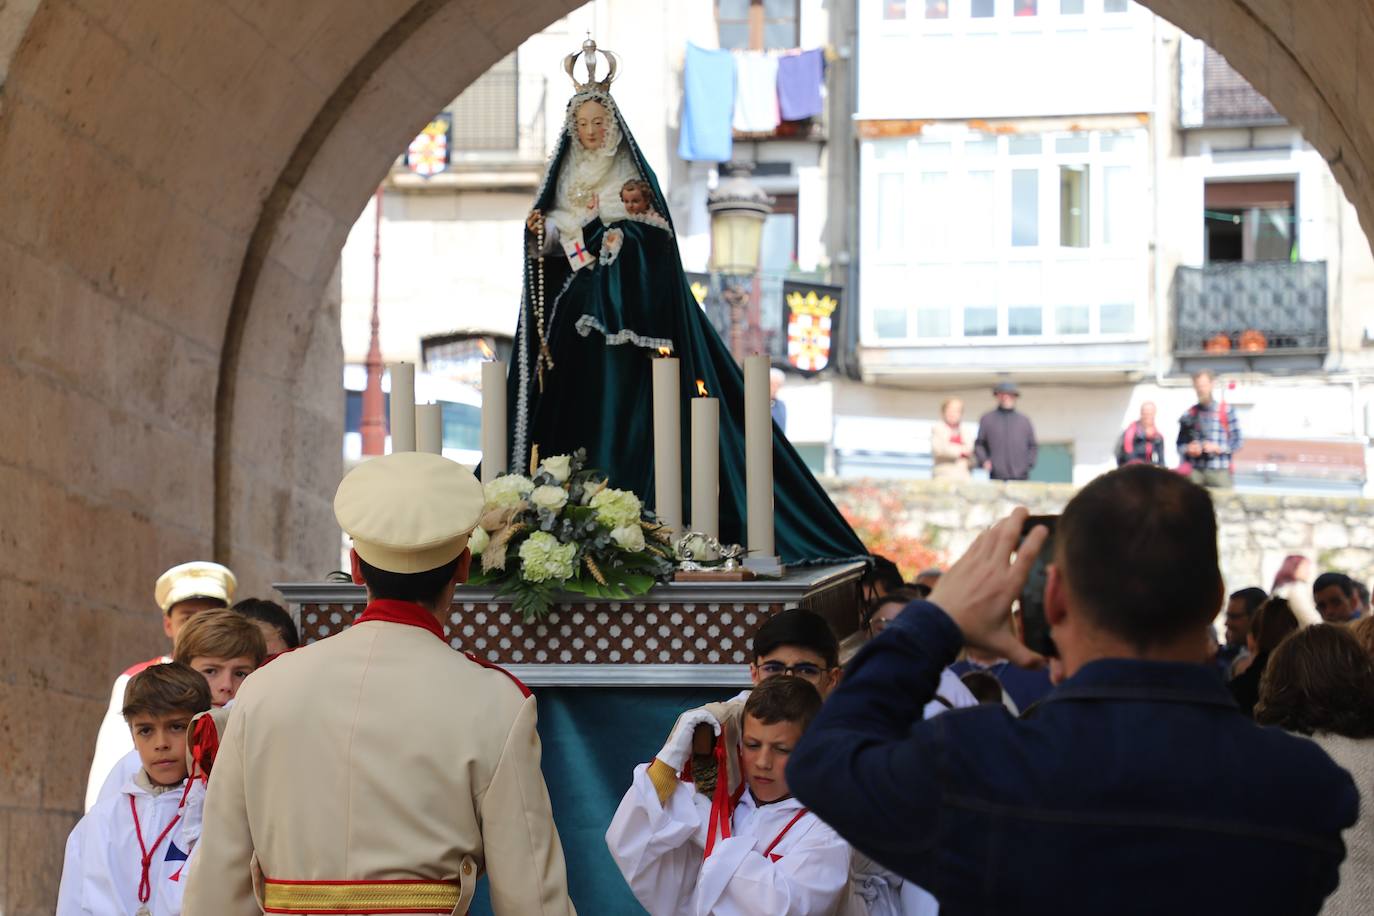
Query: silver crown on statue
[(589, 62)]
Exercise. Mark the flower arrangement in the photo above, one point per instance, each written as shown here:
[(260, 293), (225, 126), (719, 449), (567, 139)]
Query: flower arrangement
[(563, 528)]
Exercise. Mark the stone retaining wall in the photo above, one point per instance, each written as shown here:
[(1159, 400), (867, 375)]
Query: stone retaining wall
[(1256, 531)]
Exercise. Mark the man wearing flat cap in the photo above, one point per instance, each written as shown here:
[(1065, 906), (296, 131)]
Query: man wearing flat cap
[(379, 770), (1006, 446), (181, 592)]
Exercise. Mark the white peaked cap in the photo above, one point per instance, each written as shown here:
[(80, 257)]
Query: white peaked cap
[(201, 579), (409, 512)]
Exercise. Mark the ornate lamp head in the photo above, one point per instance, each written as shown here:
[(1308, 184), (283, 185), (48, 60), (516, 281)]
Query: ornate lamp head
[(588, 55)]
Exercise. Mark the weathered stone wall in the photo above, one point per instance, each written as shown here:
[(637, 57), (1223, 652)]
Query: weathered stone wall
[(176, 181), (1255, 531)]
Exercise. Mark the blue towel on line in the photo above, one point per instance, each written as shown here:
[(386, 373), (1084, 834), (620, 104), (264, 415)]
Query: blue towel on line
[(799, 84), (708, 98)]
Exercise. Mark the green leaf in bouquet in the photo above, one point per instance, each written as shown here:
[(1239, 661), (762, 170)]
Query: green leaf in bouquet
[(638, 583), (579, 514), (533, 600), (477, 577)]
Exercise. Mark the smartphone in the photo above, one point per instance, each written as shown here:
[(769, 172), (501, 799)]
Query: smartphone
[(1035, 630)]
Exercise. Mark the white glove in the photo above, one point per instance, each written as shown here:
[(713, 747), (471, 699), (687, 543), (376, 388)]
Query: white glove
[(679, 747)]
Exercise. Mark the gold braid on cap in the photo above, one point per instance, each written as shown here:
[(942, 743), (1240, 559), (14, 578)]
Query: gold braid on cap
[(588, 55)]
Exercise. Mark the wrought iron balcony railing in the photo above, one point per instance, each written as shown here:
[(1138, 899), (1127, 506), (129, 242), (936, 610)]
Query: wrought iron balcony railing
[(1213, 94), (1251, 308)]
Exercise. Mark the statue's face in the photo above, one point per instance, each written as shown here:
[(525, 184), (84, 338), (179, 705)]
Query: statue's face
[(591, 119)]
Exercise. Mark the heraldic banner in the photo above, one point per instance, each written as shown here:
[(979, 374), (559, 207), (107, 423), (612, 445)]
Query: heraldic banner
[(809, 314)]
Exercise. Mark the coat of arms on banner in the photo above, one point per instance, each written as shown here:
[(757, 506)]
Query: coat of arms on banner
[(809, 319), (427, 154)]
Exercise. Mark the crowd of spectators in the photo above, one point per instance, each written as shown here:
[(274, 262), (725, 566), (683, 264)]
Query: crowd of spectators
[(1142, 717), (1006, 447)]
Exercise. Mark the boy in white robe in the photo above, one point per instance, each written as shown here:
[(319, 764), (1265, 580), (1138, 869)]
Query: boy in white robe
[(128, 854), (756, 853), (799, 643), (181, 592), (225, 647)]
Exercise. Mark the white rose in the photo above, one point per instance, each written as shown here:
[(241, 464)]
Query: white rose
[(478, 540), (558, 467), (549, 497), (629, 537), (616, 508), (507, 491)]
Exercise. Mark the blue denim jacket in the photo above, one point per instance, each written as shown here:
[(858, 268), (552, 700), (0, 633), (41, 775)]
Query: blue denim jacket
[(1135, 787)]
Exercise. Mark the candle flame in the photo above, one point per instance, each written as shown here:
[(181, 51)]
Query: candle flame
[(486, 349), (665, 351), (701, 388)]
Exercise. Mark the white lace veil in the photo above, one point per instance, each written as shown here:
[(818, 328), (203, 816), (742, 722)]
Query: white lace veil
[(585, 172)]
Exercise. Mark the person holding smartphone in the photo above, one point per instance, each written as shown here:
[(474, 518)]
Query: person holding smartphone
[(1105, 798)]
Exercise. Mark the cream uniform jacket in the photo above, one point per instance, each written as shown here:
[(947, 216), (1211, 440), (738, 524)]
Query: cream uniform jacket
[(376, 756)]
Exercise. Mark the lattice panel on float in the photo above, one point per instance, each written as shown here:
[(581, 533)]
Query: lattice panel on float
[(686, 626), (613, 633)]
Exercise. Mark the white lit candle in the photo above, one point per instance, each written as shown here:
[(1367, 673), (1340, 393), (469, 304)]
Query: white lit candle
[(494, 447), (758, 456), (706, 464), (429, 428), (402, 407), (668, 442)]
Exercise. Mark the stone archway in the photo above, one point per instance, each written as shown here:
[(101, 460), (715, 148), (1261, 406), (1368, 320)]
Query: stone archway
[(176, 181)]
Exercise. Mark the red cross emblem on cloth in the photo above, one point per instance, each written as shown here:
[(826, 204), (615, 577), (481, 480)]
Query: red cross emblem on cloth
[(578, 256)]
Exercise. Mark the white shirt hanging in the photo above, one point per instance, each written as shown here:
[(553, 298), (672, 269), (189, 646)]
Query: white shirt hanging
[(756, 92)]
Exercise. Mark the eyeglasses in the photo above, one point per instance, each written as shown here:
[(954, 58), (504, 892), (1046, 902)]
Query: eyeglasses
[(804, 670), (878, 624)]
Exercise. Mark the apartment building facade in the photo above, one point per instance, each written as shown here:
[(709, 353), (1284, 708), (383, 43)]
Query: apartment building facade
[(1075, 195)]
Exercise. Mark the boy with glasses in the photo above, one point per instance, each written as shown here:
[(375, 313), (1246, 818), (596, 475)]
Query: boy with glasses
[(754, 852), (799, 644)]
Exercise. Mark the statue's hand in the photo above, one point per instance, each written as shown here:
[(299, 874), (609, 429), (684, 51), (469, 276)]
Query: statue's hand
[(535, 221), (593, 202)]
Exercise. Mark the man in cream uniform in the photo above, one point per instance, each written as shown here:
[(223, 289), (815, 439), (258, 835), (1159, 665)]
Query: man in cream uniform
[(182, 592), (378, 770)]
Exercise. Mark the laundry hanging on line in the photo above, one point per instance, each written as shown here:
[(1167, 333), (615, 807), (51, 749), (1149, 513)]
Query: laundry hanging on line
[(746, 92), (800, 77), (708, 97), (756, 93)]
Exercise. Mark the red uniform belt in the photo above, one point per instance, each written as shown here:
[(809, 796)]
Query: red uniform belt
[(388, 896)]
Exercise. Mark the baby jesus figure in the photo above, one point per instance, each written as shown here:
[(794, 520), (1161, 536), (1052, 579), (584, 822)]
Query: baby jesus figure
[(637, 197)]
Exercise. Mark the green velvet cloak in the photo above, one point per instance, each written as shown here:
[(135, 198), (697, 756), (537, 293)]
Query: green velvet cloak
[(604, 324)]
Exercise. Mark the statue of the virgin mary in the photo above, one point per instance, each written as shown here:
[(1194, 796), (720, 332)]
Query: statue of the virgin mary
[(605, 294)]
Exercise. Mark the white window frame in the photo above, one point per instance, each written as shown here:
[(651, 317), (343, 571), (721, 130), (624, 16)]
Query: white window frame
[(1102, 262)]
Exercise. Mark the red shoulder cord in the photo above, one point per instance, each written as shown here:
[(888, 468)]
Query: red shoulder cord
[(204, 747), (723, 801), (783, 832), (145, 887)]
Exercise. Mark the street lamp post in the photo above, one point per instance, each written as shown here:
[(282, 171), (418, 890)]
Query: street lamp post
[(738, 208), (373, 426)]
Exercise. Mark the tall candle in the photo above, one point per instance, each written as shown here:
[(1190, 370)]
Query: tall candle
[(668, 442), (706, 466), (495, 460), (402, 407), (758, 456), (429, 428)]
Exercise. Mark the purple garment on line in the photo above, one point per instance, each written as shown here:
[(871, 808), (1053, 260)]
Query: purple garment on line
[(799, 84)]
